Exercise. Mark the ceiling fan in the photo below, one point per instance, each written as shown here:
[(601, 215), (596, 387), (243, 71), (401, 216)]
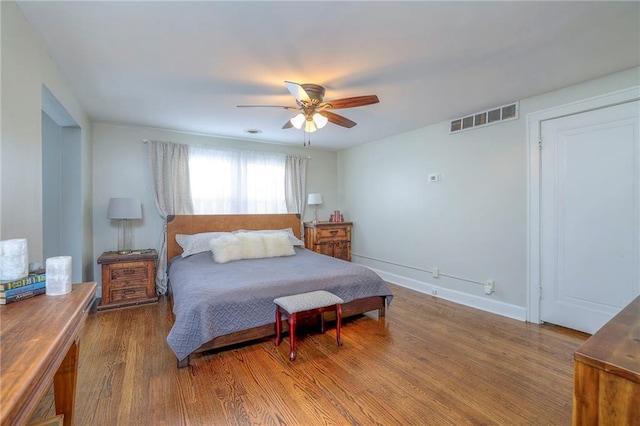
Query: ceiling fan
[(314, 110)]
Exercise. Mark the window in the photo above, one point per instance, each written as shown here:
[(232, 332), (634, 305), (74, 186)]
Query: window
[(230, 182)]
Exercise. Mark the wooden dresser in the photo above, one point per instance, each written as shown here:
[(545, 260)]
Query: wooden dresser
[(330, 238), (606, 388), (40, 345), (128, 279)]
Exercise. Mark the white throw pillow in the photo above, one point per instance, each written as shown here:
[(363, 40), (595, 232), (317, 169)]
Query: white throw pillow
[(252, 245), (226, 248), (197, 243), (277, 244), (288, 231)]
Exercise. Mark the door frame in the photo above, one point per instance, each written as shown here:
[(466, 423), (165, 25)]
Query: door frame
[(534, 131)]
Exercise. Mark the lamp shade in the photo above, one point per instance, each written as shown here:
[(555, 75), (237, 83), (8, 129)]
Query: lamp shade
[(124, 208), (298, 120), (310, 126), (314, 199), (320, 120)]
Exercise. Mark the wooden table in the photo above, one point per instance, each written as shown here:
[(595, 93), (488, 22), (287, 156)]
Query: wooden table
[(607, 373), (39, 343)]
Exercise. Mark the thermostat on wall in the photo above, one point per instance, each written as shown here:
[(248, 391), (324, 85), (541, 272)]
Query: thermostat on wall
[(434, 177)]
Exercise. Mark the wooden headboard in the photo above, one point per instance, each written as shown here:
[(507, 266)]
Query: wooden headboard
[(195, 224)]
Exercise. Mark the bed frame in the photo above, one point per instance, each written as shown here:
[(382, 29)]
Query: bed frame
[(193, 224)]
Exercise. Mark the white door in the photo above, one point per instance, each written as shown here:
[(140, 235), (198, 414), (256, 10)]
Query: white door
[(590, 216)]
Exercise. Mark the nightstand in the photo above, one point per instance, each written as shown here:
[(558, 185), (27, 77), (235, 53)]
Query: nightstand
[(128, 279), (329, 238)]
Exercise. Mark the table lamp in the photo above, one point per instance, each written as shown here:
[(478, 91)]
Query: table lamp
[(124, 210), (314, 200)]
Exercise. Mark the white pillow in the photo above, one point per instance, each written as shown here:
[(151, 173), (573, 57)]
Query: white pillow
[(277, 244), (226, 248), (252, 245), (288, 231), (197, 243)]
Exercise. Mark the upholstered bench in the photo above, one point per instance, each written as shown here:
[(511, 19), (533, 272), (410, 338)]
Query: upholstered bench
[(305, 304)]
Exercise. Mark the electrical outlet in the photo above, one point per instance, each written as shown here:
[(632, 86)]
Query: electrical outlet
[(435, 272), (434, 291), (489, 286)]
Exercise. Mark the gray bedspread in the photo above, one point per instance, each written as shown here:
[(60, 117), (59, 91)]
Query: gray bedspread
[(211, 299)]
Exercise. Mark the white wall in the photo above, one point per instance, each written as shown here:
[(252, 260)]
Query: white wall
[(52, 189), (26, 66), (472, 224), (121, 170)]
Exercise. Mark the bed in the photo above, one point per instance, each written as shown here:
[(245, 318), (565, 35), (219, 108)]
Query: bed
[(217, 305)]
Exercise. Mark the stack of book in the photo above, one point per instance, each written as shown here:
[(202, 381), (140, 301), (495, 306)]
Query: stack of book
[(22, 288)]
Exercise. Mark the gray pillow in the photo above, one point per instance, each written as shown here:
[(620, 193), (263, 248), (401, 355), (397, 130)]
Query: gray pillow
[(197, 243)]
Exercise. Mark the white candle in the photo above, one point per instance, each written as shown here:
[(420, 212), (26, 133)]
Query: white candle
[(14, 259), (58, 275)]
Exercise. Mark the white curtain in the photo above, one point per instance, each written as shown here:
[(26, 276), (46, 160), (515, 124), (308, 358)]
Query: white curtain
[(169, 168), (296, 185), (231, 182)]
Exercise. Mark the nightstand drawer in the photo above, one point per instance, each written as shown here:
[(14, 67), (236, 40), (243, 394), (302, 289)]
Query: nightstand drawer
[(333, 233), (128, 272), (128, 294)]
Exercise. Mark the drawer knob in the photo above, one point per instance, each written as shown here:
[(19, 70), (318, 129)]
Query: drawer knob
[(129, 291), (128, 271), (334, 232)]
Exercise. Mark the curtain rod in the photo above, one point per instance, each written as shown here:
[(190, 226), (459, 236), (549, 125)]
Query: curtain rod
[(147, 140)]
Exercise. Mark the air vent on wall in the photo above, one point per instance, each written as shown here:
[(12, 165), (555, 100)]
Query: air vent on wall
[(485, 118)]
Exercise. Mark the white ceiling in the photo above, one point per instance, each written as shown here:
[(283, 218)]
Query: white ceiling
[(186, 65)]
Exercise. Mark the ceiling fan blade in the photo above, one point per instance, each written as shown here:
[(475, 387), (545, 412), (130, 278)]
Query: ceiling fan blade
[(338, 119), (287, 125), (356, 101), (266, 106), (298, 92)]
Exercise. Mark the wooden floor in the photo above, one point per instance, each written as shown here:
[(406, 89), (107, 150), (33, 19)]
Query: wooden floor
[(428, 362)]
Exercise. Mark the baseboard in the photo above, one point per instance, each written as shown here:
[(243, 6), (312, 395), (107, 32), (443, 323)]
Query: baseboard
[(493, 306)]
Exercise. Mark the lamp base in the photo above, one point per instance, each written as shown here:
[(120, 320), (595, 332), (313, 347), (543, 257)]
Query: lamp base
[(124, 237)]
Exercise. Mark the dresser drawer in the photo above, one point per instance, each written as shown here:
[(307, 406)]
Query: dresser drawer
[(333, 233), (129, 272), (342, 250), (128, 294)]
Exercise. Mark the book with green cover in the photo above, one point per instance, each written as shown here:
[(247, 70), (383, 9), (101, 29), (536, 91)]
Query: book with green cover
[(37, 277), (29, 287)]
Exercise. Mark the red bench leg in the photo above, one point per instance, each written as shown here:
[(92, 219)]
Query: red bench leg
[(338, 323), (278, 326), (292, 335)]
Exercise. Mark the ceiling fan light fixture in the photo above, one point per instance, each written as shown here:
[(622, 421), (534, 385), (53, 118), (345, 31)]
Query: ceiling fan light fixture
[(310, 126), (320, 120), (298, 120)]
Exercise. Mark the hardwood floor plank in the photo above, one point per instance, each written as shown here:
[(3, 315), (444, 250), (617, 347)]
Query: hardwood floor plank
[(429, 361)]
